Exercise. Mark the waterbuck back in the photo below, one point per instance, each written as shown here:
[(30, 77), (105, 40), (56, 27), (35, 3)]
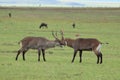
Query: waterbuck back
[(85, 44), (34, 43)]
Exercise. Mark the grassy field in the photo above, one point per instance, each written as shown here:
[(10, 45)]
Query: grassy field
[(103, 24)]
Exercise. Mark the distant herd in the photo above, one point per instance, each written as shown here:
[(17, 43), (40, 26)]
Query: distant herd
[(42, 25)]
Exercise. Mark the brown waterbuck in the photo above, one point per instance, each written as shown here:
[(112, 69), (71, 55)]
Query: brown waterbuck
[(39, 43), (83, 44)]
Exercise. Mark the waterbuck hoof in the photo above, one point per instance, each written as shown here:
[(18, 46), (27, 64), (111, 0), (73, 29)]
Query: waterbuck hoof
[(80, 61), (44, 60)]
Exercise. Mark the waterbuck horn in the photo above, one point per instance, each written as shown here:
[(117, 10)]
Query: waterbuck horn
[(54, 35), (62, 34)]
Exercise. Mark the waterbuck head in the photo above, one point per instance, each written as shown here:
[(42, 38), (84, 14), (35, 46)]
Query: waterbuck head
[(63, 41), (66, 41)]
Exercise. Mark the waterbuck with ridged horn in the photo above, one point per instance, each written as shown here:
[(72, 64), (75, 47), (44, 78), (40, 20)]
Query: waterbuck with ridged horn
[(83, 44), (39, 43)]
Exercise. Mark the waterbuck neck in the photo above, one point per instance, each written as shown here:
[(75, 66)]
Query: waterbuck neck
[(69, 42), (51, 44)]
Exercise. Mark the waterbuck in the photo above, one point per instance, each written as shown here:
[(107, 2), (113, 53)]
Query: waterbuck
[(10, 15), (83, 44), (43, 25), (73, 25), (39, 43)]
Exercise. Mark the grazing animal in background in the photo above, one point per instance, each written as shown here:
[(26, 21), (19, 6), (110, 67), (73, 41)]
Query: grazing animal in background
[(43, 25), (10, 15), (83, 44), (77, 35), (39, 43), (73, 25)]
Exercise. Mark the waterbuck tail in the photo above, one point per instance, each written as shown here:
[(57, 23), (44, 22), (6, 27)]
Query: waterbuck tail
[(105, 43)]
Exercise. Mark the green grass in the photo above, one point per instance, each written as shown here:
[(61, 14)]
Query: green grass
[(103, 24)]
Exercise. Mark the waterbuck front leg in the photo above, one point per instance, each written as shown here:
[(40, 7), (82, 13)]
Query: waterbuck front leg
[(24, 54), (97, 54), (101, 58), (75, 52), (97, 59), (43, 53), (80, 54)]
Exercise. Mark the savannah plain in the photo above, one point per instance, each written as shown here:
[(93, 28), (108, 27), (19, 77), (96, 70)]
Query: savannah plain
[(100, 23)]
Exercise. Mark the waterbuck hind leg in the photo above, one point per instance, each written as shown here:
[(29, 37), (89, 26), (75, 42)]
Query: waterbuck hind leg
[(80, 54), (97, 59), (19, 51), (75, 52), (43, 53), (23, 56), (39, 53), (101, 58)]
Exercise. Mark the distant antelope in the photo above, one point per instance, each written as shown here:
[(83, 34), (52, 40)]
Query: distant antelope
[(43, 25), (10, 15), (73, 25), (39, 43), (83, 44)]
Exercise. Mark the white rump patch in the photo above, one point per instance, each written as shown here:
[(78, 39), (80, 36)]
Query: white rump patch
[(98, 48)]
